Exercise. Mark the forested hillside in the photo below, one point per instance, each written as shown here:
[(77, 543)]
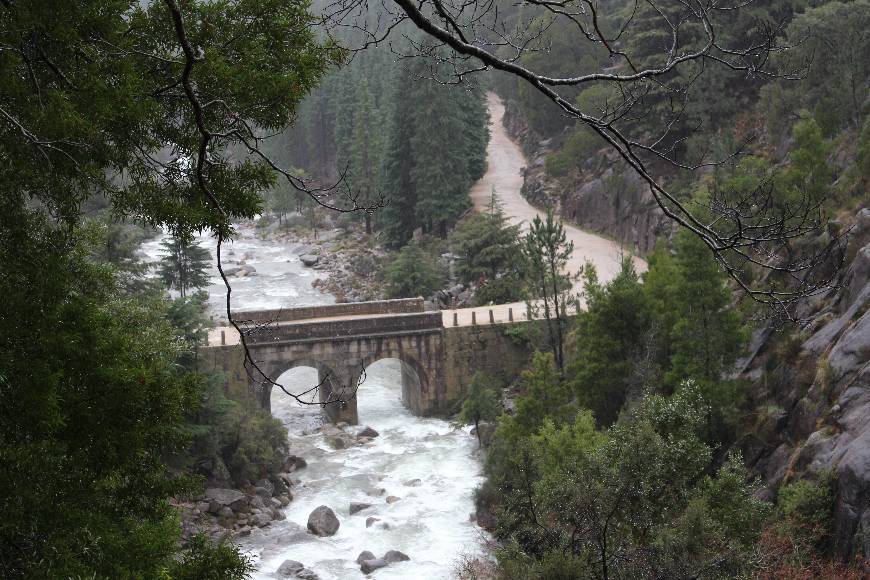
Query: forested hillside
[(392, 133), (587, 476)]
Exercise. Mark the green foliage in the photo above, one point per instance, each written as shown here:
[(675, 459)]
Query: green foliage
[(579, 147), (707, 336), (189, 319), (481, 402), (806, 509), (808, 176), (546, 252), (184, 265), (488, 251), (611, 341), (545, 396), (633, 502), (231, 444), (831, 39), (94, 390), (106, 91), (254, 447), (414, 272), (203, 560), (91, 397)]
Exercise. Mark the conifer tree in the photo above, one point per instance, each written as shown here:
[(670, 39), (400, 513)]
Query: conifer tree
[(184, 265)]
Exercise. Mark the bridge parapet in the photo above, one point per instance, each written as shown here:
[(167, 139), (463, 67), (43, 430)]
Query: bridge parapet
[(399, 306), (343, 328)]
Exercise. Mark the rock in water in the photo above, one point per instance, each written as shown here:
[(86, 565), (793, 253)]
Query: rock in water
[(392, 499), (363, 556), (369, 566), (368, 432), (370, 521), (309, 259), (394, 556), (413, 483), (290, 568), (358, 506), (322, 522)]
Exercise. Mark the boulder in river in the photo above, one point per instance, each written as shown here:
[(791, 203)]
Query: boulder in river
[(370, 521), (393, 556), (358, 506), (290, 567), (413, 483), (323, 522), (363, 556), (368, 432), (393, 498), (369, 566), (338, 442), (309, 259), (294, 462), (294, 569)]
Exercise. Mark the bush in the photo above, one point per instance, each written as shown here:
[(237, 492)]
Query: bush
[(806, 511), (579, 147), (414, 272)]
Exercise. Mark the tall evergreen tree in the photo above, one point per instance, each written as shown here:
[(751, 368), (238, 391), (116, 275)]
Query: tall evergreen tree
[(546, 250), (185, 264)]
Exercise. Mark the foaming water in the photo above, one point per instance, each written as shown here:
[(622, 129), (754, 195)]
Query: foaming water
[(280, 280), (430, 522)]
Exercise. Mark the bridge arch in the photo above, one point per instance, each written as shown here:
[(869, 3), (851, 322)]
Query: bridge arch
[(325, 374), (413, 376)]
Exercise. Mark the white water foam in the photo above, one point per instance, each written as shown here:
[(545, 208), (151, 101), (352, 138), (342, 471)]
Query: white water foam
[(430, 523)]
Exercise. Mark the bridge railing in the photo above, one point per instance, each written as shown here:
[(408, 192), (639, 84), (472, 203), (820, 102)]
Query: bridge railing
[(399, 306), (352, 327)]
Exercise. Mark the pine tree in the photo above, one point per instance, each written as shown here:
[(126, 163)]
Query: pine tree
[(184, 266), (546, 251), (481, 402), (489, 251)]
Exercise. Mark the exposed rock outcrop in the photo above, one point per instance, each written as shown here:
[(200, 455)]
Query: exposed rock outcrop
[(358, 506), (812, 387)]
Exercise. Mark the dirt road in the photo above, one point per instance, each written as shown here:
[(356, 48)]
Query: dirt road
[(504, 174)]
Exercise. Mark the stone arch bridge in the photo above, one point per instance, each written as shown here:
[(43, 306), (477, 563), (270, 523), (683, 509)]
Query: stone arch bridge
[(439, 350)]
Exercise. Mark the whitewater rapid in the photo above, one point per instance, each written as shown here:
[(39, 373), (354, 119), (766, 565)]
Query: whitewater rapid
[(430, 523)]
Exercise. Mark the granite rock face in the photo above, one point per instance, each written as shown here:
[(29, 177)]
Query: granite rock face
[(817, 397)]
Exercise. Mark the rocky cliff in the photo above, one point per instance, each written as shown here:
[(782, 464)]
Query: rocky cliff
[(603, 197), (810, 396)]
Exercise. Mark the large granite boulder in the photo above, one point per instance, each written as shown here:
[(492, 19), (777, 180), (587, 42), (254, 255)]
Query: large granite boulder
[(323, 521)]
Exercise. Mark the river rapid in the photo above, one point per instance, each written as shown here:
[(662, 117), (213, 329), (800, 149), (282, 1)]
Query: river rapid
[(430, 523)]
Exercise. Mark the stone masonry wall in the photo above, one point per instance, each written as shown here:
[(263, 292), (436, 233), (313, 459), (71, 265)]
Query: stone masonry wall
[(400, 306), (484, 347)]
